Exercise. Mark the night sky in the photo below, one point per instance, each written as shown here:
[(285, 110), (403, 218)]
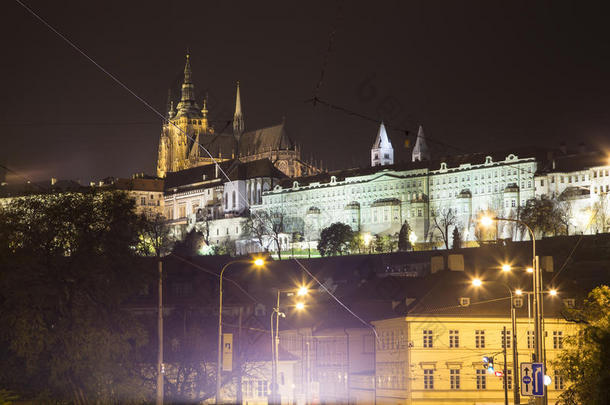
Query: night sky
[(478, 75)]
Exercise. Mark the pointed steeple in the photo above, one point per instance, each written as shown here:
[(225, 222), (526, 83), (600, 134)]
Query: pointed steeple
[(171, 113), (382, 152), (204, 112), (187, 105), (238, 118), (420, 150)]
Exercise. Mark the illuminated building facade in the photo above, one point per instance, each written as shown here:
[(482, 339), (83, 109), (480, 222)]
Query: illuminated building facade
[(188, 140)]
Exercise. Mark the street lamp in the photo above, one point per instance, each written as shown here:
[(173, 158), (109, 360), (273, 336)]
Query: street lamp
[(537, 281), (259, 262), (275, 338), (506, 268), (513, 319)]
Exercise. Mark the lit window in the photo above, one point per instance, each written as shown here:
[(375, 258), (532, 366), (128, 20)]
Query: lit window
[(530, 339), (509, 379), (557, 339), (558, 378), (479, 339), (481, 379), (428, 379), (506, 339), (427, 334), (454, 378), (454, 338)]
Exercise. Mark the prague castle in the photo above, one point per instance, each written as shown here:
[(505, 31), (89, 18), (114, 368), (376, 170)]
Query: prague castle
[(188, 140)]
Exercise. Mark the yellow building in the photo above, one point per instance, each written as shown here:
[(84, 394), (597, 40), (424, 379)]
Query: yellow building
[(434, 354)]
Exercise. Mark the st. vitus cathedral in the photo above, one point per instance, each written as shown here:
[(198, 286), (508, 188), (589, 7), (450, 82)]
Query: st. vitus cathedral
[(188, 140)]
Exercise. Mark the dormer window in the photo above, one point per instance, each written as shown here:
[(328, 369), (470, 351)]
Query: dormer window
[(569, 302), (464, 301)]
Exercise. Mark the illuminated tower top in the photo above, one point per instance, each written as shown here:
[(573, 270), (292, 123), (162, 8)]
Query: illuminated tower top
[(187, 105), (420, 150), (238, 118)]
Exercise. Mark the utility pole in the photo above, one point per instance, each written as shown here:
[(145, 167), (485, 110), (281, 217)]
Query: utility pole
[(504, 376), (238, 351), (160, 367), (516, 380)]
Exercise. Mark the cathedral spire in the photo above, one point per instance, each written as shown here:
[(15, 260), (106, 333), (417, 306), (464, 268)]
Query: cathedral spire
[(187, 105), (238, 118), (420, 150), (382, 152), (187, 85)]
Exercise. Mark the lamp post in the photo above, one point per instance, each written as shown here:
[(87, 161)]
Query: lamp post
[(537, 300), (513, 319), (275, 340), (258, 263)]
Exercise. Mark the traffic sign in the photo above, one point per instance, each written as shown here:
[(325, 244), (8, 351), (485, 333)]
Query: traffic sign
[(532, 379)]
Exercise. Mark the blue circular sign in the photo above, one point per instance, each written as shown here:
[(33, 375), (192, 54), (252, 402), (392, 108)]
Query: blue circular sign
[(527, 379)]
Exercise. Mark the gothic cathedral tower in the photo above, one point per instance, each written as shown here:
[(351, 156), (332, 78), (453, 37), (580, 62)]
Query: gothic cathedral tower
[(179, 141)]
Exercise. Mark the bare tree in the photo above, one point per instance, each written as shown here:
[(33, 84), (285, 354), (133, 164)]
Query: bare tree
[(266, 225), (444, 220)]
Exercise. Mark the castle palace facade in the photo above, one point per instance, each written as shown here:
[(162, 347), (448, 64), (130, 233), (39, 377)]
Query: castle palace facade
[(188, 140)]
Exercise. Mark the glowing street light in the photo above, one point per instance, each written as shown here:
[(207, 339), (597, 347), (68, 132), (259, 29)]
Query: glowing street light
[(303, 291), (529, 270), (506, 268), (519, 291), (300, 306), (412, 237), (486, 220), (477, 282), (553, 292), (259, 262)]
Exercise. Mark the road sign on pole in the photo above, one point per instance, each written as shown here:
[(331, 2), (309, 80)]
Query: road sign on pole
[(532, 379)]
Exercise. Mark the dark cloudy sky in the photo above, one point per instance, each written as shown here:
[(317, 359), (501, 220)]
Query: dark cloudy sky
[(478, 75)]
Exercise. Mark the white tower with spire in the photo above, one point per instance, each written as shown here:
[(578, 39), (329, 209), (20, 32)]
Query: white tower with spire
[(420, 150), (238, 118), (382, 152)]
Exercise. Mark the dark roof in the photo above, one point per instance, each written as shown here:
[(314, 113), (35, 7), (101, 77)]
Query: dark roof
[(194, 175), (193, 178), (254, 169), (558, 162), (265, 139), (442, 297), (139, 184), (34, 188), (453, 161)]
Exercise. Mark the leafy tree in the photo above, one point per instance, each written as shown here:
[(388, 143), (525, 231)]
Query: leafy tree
[(335, 239), (190, 245), (584, 362), (457, 239), (404, 243), (543, 216), (67, 264), (379, 244)]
